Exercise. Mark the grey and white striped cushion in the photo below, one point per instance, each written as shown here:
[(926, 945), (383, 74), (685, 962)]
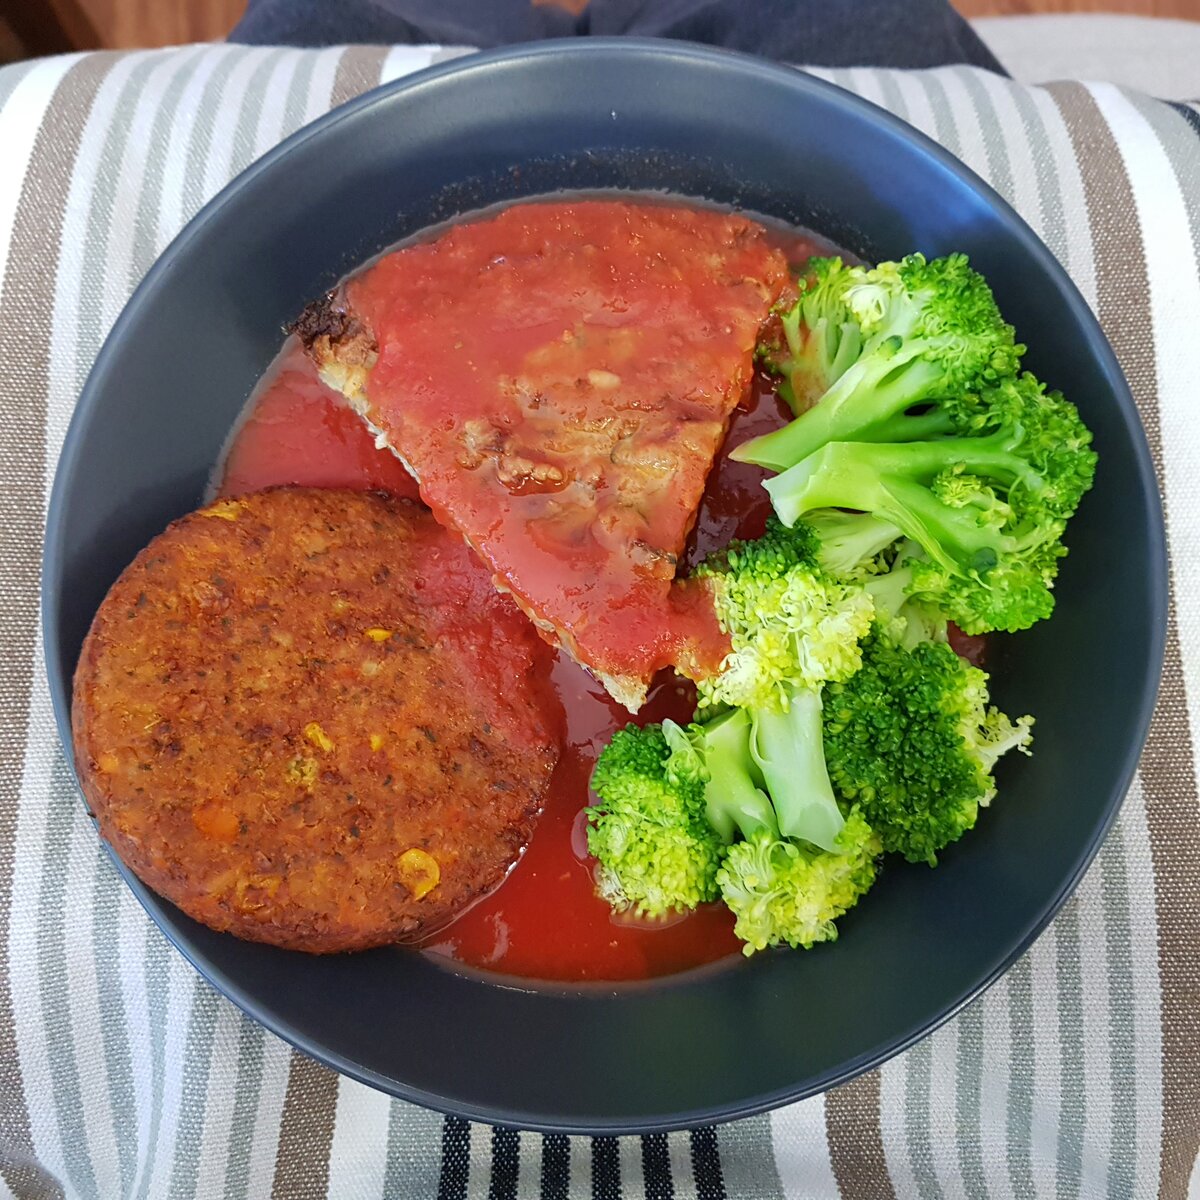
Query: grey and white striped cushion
[(123, 1075)]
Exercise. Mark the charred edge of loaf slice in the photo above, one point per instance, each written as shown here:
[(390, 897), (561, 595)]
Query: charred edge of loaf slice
[(340, 344), (344, 350)]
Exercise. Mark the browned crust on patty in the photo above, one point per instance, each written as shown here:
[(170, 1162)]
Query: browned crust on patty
[(297, 709), (326, 317)]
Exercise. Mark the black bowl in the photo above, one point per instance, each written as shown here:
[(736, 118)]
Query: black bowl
[(718, 1044)]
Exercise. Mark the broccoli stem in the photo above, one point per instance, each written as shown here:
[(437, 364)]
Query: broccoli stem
[(874, 390), (884, 481), (789, 750), (992, 456), (849, 347), (790, 322), (733, 800), (849, 540), (909, 428), (909, 621), (783, 752), (889, 591)]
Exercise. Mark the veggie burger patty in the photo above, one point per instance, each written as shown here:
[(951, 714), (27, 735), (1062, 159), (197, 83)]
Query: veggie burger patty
[(306, 717)]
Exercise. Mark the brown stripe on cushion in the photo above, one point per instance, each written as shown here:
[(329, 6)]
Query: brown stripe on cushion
[(359, 69), (26, 312), (855, 1140), (1167, 767), (305, 1131)]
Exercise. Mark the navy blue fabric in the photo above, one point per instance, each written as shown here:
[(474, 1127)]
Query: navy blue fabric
[(827, 33)]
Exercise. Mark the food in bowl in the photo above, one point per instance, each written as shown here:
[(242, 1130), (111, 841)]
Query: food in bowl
[(924, 480), (558, 379)]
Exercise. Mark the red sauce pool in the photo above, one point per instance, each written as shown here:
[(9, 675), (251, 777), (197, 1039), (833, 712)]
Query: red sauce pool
[(298, 431), (545, 922)]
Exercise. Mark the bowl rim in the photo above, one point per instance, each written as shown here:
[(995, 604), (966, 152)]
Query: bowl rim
[(805, 85)]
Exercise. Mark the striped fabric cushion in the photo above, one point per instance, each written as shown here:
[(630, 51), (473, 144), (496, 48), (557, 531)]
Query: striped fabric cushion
[(123, 1075)]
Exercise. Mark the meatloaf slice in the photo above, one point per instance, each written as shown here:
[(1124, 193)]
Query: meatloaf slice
[(558, 378)]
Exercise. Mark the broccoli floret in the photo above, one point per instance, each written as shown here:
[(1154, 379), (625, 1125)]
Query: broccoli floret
[(907, 618), (784, 891), (789, 623), (792, 626), (657, 852), (819, 341), (671, 800), (799, 863), (859, 547), (1055, 446), (988, 511), (865, 347), (910, 738), (750, 791)]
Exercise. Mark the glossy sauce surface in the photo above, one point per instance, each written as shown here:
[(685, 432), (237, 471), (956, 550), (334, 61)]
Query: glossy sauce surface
[(560, 375), (545, 921), (298, 431)]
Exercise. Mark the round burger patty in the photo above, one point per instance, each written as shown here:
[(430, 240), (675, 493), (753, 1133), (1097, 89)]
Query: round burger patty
[(306, 717)]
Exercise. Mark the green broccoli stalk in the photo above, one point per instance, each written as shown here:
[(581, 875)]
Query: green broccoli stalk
[(766, 769), (871, 345), (735, 802), (911, 739), (988, 511), (798, 864), (788, 748), (657, 852), (850, 544)]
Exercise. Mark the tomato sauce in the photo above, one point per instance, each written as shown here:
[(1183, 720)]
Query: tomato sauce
[(298, 431), (560, 375), (545, 922)]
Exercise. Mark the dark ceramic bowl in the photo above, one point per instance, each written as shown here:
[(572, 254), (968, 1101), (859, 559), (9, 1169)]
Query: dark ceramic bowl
[(195, 337)]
